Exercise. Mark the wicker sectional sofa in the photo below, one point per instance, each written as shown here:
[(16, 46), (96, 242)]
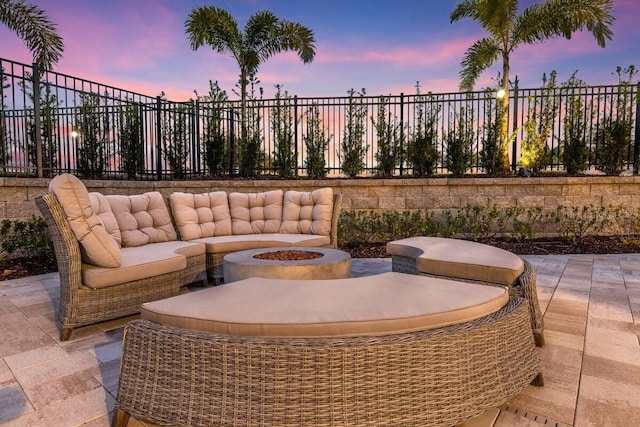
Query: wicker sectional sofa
[(115, 252)]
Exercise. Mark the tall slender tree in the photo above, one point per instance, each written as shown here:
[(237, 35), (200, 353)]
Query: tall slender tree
[(35, 29), (507, 30), (264, 36)]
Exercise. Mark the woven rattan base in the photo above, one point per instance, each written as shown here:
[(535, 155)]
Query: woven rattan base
[(438, 377), (526, 288)]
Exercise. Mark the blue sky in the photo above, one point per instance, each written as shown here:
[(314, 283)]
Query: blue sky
[(382, 46)]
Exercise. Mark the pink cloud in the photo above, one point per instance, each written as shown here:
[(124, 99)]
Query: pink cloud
[(433, 53)]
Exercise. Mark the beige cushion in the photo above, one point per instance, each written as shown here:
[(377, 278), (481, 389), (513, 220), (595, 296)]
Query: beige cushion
[(460, 258), (388, 303), (142, 218), (307, 212), (201, 215), (223, 244), (97, 246), (101, 207), (142, 262), (188, 249), (256, 212)]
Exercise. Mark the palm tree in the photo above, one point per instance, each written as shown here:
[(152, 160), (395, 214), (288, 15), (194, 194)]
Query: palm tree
[(507, 30), (33, 27), (264, 36)]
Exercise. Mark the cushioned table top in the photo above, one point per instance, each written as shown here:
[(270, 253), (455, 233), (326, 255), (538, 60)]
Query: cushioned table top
[(384, 304)]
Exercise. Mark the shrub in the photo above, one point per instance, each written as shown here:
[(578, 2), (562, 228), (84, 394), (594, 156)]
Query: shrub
[(388, 130), (574, 223), (539, 126), (459, 143), (215, 150), (49, 140), (250, 154), (575, 149), (28, 239), (93, 137), (131, 147), (282, 123), (317, 143), (422, 150), (176, 141), (613, 139), (353, 147)]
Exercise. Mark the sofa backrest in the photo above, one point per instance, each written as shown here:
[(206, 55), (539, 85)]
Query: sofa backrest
[(142, 218), (254, 213), (201, 215), (307, 212), (220, 214)]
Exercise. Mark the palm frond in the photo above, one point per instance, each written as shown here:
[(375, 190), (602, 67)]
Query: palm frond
[(299, 38), (35, 29), (465, 9), (478, 57), (208, 25), (555, 18)]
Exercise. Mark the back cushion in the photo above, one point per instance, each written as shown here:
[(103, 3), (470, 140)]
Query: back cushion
[(101, 207), (307, 212), (142, 218), (97, 246), (201, 215), (254, 213)]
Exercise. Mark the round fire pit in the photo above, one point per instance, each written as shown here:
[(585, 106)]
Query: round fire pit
[(287, 263)]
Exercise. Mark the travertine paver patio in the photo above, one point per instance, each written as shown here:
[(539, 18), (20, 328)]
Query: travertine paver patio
[(591, 360)]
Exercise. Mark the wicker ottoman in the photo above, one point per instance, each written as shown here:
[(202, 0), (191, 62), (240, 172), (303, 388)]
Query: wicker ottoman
[(359, 351), (470, 261)]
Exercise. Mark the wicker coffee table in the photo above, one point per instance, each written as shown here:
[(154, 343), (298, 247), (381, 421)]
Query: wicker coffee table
[(275, 263)]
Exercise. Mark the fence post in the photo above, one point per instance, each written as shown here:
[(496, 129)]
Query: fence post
[(402, 142), (636, 139), (232, 140), (195, 135), (159, 136), (141, 135), (295, 130), (514, 147), (35, 81)]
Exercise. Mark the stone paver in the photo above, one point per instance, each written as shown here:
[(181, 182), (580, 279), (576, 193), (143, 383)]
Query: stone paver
[(591, 360)]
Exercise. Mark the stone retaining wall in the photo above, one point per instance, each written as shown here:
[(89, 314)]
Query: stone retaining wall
[(17, 194)]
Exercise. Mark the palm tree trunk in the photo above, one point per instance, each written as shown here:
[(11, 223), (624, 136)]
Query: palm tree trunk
[(243, 104), (504, 119)]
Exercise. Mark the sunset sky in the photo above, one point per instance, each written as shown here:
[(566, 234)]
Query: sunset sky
[(384, 46)]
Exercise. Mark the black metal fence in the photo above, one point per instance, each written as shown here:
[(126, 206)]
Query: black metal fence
[(52, 123)]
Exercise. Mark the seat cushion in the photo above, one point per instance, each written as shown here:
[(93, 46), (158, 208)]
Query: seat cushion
[(142, 218), (97, 246), (201, 215), (223, 244), (384, 304), (142, 262), (460, 259)]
